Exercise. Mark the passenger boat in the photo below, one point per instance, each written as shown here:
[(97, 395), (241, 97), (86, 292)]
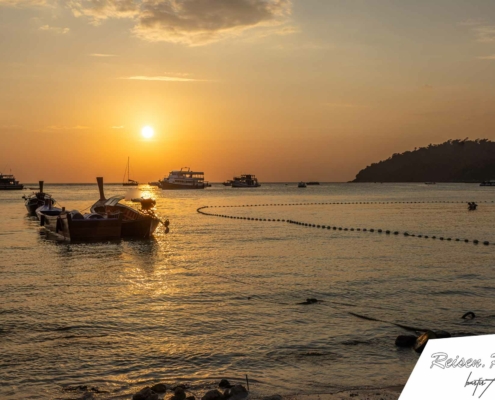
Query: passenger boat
[(183, 180), (129, 182), (488, 183), (301, 185), (8, 182), (36, 200), (245, 181), (135, 223), (74, 227)]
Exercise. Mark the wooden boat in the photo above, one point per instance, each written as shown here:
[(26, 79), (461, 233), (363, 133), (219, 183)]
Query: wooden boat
[(130, 182), (8, 182), (36, 200), (135, 223), (245, 181), (74, 227)]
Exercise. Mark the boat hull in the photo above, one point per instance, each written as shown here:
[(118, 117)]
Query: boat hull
[(244, 186), (176, 186), (141, 228), (81, 230), (11, 187)]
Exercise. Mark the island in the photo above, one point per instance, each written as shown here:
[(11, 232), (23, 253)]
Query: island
[(452, 161)]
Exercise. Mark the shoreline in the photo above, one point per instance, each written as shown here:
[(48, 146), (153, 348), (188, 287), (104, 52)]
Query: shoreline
[(386, 393)]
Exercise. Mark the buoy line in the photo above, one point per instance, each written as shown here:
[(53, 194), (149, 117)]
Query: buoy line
[(329, 227)]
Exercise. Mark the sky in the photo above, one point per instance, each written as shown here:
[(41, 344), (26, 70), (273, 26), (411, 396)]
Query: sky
[(288, 90)]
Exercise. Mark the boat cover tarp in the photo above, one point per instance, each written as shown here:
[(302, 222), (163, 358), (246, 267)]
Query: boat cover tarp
[(113, 201)]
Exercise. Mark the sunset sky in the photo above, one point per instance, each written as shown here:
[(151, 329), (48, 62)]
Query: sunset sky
[(287, 90)]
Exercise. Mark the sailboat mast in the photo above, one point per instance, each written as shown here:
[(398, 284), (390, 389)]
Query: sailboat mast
[(128, 170)]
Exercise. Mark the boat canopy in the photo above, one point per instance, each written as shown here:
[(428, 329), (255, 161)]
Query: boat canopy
[(113, 201)]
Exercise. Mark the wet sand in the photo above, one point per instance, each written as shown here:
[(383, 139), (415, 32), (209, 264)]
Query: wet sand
[(390, 393)]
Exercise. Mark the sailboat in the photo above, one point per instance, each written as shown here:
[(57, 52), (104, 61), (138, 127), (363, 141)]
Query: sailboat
[(130, 182)]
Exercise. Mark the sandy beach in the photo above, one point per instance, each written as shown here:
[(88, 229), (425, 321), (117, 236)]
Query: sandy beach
[(389, 393)]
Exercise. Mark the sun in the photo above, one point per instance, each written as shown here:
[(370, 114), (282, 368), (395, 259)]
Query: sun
[(147, 132)]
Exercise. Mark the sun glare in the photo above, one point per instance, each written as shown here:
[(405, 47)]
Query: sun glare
[(147, 132)]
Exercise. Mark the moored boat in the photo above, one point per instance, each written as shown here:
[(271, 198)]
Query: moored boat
[(129, 182), (227, 183), (135, 223), (36, 200), (245, 181), (184, 179), (8, 182), (301, 185), (74, 227)]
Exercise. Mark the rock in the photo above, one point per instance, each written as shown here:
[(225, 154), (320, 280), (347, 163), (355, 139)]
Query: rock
[(442, 334), (190, 398), (179, 394), (405, 341), (145, 394), (88, 396), (212, 395), (238, 389), (469, 315), (159, 388), (227, 394), (224, 383)]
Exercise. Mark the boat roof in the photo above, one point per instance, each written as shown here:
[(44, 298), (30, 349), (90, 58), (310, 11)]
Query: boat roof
[(185, 172), (113, 201)]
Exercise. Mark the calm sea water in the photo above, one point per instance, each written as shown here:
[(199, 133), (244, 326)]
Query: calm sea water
[(218, 297)]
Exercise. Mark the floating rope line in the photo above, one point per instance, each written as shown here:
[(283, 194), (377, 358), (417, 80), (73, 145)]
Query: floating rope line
[(335, 228)]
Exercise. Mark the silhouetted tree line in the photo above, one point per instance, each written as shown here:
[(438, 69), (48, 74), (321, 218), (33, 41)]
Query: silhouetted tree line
[(453, 161)]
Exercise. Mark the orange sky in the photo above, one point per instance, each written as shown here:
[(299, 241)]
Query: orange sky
[(287, 90)]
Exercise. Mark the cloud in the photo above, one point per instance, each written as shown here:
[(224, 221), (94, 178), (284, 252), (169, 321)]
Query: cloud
[(54, 29), (485, 34), (61, 127), (164, 78), (102, 55), (191, 22), (487, 57), (22, 3)]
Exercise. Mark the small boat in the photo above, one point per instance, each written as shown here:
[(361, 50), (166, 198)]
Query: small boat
[(130, 182), (74, 227), (245, 181), (488, 183), (301, 185), (154, 183), (8, 182), (312, 183), (430, 183), (227, 183), (36, 200), (135, 223), (183, 180)]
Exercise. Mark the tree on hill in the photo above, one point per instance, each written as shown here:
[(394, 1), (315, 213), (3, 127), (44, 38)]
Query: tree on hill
[(453, 161)]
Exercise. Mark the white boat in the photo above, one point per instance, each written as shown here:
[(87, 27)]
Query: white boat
[(183, 180), (488, 183), (301, 185), (129, 182), (245, 181)]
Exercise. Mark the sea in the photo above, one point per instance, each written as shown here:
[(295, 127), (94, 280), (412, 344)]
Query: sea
[(219, 297)]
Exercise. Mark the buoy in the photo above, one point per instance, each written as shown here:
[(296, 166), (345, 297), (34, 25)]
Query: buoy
[(486, 242), (475, 241), (387, 232), (396, 233)]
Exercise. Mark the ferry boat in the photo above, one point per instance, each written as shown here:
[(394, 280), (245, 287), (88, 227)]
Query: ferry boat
[(488, 183), (245, 181), (183, 180), (8, 182)]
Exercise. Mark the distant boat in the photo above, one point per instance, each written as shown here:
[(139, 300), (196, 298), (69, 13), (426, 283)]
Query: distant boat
[(8, 182), (154, 183), (36, 200), (183, 180), (312, 183), (430, 183), (301, 185), (245, 181), (227, 183), (130, 182), (488, 183)]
